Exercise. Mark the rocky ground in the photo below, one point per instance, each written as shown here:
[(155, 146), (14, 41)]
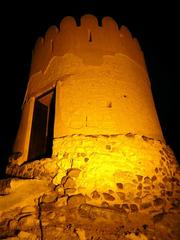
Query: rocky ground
[(48, 199), (36, 209)]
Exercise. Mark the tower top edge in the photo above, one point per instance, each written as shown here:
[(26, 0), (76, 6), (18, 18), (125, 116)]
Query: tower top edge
[(88, 21), (90, 35)]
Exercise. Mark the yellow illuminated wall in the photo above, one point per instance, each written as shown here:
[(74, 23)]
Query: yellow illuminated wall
[(101, 82), (108, 150)]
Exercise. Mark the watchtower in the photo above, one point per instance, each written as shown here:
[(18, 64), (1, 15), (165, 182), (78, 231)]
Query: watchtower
[(89, 80), (90, 143)]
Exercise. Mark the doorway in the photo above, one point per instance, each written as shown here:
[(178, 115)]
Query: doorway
[(41, 139)]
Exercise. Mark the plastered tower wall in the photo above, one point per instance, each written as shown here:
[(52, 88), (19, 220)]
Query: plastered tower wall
[(101, 82)]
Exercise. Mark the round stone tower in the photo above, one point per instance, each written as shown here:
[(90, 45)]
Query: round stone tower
[(89, 119), (100, 81)]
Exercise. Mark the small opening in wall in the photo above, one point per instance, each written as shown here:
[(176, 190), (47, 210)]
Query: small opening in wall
[(109, 105), (89, 36), (124, 96)]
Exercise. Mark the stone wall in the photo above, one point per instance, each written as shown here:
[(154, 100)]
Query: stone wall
[(110, 170), (120, 169), (98, 187)]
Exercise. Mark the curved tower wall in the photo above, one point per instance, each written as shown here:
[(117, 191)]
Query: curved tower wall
[(100, 78), (89, 102)]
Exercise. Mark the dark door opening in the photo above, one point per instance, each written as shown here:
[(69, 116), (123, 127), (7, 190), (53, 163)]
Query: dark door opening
[(41, 138)]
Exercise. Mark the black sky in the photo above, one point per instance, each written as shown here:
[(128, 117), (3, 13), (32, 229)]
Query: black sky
[(156, 25)]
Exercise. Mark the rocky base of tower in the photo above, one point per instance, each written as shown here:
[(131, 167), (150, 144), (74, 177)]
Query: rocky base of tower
[(94, 187), (49, 214)]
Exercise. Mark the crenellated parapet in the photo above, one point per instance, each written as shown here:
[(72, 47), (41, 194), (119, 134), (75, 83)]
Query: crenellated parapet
[(89, 41)]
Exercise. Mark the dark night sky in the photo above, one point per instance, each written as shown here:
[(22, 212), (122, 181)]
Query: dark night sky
[(156, 28)]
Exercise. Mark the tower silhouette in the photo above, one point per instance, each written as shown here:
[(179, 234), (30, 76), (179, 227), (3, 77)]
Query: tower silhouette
[(89, 127)]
